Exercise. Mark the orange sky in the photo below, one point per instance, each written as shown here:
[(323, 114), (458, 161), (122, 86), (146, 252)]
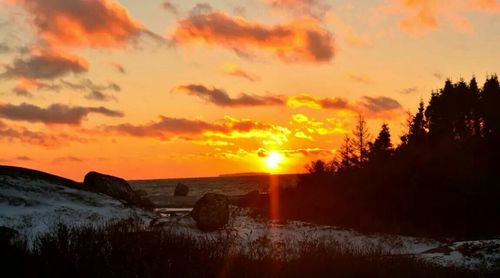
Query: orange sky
[(153, 89)]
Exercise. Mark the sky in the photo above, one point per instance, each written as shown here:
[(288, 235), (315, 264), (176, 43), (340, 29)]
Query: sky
[(158, 89)]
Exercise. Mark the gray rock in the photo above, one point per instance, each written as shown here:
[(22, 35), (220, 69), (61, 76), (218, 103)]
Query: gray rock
[(211, 212), (181, 190), (115, 187)]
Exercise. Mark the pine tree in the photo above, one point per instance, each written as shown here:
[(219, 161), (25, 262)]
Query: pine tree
[(381, 148), (361, 140)]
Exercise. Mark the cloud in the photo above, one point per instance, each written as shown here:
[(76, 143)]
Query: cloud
[(53, 114), (318, 103), (118, 67), (300, 41), (94, 91), (31, 137), (221, 98), (372, 106), (313, 8), (359, 78), (423, 16), (168, 6), (380, 104), (409, 90), (42, 64), (233, 70), (229, 128), (83, 23), (65, 159)]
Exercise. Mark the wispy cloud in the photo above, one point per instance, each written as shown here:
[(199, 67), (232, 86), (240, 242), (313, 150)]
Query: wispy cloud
[(221, 98), (234, 70)]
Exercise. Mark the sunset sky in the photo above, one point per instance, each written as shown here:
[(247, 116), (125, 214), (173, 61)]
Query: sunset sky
[(156, 89)]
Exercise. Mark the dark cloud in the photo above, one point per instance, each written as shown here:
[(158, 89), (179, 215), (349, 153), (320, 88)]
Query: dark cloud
[(302, 41), (380, 104), (45, 65), (99, 96), (94, 91), (221, 98), (170, 7), (21, 92), (54, 114)]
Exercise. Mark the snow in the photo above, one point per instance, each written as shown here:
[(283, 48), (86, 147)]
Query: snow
[(477, 254), (247, 231), (33, 206)]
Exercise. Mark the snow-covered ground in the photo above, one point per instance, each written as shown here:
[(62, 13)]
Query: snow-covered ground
[(286, 238), (33, 206)]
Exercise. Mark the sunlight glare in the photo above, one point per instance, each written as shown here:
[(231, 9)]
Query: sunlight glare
[(273, 160)]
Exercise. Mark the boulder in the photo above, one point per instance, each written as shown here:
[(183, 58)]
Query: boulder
[(181, 190), (211, 212), (115, 187)]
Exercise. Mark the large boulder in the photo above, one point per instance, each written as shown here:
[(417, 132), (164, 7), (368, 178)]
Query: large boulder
[(211, 212), (115, 187), (181, 190)]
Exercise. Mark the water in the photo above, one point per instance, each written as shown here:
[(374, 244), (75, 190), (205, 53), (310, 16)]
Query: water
[(161, 192)]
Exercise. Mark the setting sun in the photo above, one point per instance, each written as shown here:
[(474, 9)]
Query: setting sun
[(273, 160)]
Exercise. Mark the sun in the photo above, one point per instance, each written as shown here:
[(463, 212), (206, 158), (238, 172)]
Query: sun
[(273, 160)]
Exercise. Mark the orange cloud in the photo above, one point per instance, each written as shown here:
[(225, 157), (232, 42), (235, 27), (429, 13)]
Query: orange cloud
[(300, 41), (317, 103), (422, 16), (229, 128), (82, 23)]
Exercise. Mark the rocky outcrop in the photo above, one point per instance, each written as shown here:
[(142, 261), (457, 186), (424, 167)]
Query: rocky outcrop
[(115, 187), (181, 190), (211, 212)]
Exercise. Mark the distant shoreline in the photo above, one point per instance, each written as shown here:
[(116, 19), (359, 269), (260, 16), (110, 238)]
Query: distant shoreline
[(248, 174)]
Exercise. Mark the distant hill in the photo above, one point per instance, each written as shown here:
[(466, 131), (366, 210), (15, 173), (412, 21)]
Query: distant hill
[(245, 174)]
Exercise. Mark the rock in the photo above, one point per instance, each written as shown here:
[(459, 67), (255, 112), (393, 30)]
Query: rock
[(181, 190), (112, 186), (211, 212), (7, 235)]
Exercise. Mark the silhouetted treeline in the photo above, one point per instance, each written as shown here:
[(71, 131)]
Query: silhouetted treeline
[(442, 180)]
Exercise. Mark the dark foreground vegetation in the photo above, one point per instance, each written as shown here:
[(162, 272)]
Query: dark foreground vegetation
[(128, 250), (442, 180)]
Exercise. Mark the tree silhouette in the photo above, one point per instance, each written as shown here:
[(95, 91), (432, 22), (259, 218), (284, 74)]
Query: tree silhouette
[(361, 140), (381, 148)]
